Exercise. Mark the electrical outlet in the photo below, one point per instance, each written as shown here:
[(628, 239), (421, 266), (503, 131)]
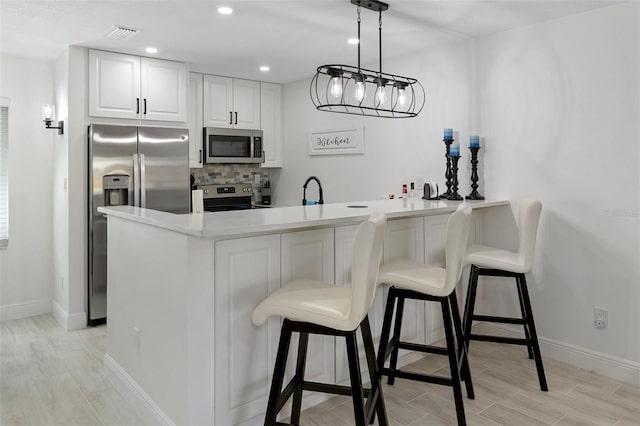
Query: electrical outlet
[(600, 318)]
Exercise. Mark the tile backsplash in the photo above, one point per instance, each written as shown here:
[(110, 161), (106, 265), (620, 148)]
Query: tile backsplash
[(226, 174)]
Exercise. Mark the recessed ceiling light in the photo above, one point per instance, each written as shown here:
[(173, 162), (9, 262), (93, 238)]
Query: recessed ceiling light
[(264, 68), (151, 50), (353, 41), (225, 10)]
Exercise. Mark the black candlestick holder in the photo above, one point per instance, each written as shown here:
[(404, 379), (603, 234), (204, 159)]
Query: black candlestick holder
[(475, 195), (454, 180), (447, 173)]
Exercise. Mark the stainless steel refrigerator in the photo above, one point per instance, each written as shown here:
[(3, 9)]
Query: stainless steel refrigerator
[(137, 166)]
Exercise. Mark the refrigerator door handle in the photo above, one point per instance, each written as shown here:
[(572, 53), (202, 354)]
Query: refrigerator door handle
[(143, 186), (136, 180)]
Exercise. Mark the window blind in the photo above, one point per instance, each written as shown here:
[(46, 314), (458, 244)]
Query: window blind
[(4, 176)]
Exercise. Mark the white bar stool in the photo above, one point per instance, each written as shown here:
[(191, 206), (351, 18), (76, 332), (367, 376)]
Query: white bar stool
[(489, 261), (313, 307), (410, 280)]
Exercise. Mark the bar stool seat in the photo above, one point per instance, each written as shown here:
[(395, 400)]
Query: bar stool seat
[(417, 281), (316, 307), (495, 262), (490, 257)]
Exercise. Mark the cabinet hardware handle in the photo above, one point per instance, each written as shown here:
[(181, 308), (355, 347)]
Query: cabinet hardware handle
[(230, 117), (264, 157), (137, 105), (236, 117), (145, 106), (200, 156)]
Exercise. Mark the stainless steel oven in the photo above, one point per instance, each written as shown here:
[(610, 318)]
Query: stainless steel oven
[(233, 145), (218, 198)]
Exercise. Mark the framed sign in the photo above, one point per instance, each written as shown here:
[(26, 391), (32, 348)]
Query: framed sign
[(337, 141)]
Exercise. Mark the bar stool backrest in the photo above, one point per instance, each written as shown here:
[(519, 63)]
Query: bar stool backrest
[(367, 248), (528, 219), (457, 235)]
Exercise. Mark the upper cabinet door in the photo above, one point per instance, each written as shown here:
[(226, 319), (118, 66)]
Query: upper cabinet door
[(114, 85), (218, 101), (271, 123), (164, 90), (196, 153), (246, 104)]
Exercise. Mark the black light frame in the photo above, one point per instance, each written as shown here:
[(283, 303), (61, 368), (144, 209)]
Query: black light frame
[(320, 96)]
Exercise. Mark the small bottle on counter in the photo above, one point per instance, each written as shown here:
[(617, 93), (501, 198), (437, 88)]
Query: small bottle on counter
[(412, 192), (404, 190)]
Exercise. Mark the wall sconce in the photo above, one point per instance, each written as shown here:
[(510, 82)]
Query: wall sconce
[(49, 116)]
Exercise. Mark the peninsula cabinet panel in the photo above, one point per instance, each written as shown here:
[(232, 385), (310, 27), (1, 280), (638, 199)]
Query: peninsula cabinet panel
[(310, 255), (404, 239), (247, 270)]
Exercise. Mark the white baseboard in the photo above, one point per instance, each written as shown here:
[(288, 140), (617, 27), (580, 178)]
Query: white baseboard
[(597, 362), (132, 392), (25, 310), (68, 322)]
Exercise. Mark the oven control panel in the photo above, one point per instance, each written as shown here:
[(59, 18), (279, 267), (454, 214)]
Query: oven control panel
[(226, 191)]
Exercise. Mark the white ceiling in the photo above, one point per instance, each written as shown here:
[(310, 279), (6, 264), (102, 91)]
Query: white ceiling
[(292, 37)]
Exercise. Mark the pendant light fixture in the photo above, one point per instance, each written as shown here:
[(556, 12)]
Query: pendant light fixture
[(347, 89)]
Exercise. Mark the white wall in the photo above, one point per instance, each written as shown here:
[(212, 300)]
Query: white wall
[(26, 266), (557, 105), (396, 150), (560, 109)]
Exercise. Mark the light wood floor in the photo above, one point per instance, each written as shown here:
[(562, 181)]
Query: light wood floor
[(49, 376)]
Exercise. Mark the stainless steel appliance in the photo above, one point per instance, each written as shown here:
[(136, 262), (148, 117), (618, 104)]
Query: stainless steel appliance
[(226, 197), (233, 145), (129, 165)]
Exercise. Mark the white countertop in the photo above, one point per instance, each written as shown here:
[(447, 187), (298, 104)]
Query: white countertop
[(240, 223)]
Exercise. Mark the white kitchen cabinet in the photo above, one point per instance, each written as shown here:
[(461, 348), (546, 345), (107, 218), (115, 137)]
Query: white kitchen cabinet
[(310, 255), (271, 124), (247, 270), (404, 239), (196, 153), (231, 103), (126, 86)]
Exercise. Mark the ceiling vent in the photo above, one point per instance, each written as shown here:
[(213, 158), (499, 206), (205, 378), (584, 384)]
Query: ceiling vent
[(121, 33)]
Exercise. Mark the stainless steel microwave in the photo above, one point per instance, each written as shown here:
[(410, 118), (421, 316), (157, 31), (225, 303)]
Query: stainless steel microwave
[(233, 145)]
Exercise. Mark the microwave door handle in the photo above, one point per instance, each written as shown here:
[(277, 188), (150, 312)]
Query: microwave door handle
[(136, 180), (143, 185)]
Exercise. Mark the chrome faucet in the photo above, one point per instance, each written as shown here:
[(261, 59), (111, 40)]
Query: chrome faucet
[(304, 192)]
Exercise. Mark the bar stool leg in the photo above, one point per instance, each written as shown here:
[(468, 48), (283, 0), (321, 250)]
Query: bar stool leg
[(523, 311), (300, 367), (397, 328), (278, 373), (357, 393), (522, 283), (386, 329), (375, 395), (453, 362), (462, 350), (470, 305)]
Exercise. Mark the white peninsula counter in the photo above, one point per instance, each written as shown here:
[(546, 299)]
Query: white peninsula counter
[(180, 342)]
